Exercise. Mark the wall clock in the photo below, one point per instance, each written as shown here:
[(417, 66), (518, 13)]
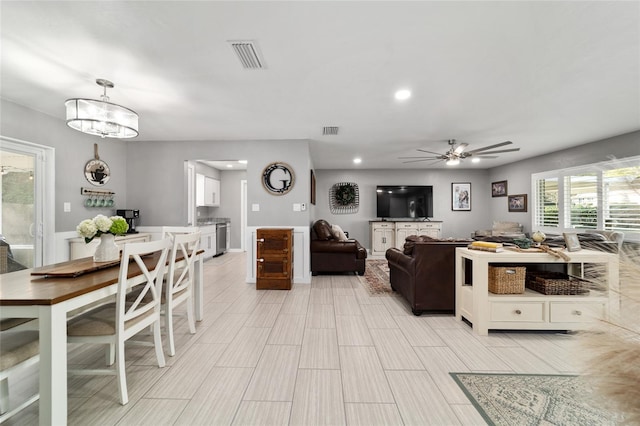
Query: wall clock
[(97, 172), (278, 178)]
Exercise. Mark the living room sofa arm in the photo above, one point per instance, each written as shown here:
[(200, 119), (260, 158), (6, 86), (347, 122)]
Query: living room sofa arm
[(399, 259)]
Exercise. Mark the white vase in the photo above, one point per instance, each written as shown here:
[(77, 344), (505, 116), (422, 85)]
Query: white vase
[(107, 251)]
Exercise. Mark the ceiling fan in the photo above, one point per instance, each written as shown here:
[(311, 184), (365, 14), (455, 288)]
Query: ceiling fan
[(457, 153)]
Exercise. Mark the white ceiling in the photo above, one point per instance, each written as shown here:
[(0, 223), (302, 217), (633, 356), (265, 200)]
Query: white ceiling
[(546, 75)]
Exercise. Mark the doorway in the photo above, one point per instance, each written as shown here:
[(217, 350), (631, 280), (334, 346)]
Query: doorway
[(26, 188), (230, 189)]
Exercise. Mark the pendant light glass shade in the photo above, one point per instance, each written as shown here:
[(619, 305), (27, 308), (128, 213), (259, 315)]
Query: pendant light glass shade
[(100, 117)]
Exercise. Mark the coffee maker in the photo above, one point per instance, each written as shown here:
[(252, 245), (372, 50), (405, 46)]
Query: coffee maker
[(131, 216)]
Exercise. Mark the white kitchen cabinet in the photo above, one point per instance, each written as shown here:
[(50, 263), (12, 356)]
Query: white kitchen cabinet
[(211, 192), (208, 240), (207, 191)]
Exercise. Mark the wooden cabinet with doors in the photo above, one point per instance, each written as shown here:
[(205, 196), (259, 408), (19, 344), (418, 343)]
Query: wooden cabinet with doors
[(274, 258)]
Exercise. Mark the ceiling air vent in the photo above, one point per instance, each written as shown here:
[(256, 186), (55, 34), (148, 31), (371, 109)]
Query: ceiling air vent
[(330, 130), (248, 53)]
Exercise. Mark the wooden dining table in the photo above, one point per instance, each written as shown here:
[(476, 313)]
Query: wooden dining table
[(50, 297)]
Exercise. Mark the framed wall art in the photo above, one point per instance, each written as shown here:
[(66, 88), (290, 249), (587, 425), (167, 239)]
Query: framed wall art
[(313, 188), (518, 203), (572, 241), (461, 196), (499, 189)]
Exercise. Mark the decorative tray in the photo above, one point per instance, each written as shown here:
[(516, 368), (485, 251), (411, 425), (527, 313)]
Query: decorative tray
[(73, 268)]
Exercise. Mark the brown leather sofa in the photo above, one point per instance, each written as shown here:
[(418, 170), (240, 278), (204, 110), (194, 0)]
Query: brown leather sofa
[(424, 273), (329, 254)]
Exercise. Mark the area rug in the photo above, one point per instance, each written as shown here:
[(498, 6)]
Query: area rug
[(376, 277), (532, 399)]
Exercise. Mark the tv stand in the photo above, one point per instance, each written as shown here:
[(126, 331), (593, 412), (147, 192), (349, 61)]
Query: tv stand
[(389, 233)]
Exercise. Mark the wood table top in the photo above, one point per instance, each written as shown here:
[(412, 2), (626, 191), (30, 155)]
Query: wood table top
[(23, 288)]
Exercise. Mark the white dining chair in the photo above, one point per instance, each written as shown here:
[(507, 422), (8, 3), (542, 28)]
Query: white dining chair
[(178, 287), (170, 231), (115, 323), (19, 350)]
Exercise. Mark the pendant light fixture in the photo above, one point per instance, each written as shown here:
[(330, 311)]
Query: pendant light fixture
[(101, 117)]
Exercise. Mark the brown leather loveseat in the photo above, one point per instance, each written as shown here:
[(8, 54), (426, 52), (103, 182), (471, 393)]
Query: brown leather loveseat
[(424, 273), (330, 254)]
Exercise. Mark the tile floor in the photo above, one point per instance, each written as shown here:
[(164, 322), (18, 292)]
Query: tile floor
[(325, 353)]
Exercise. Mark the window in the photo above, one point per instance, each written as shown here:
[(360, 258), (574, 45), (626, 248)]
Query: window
[(547, 210), (598, 196)]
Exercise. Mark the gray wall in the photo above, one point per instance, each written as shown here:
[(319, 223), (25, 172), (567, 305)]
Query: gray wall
[(72, 151), (149, 175), (455, 223), (156, 174), (519, 174)]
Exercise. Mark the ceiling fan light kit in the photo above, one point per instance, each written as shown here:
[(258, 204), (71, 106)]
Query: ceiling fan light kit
[(456, 154), (101, 117)]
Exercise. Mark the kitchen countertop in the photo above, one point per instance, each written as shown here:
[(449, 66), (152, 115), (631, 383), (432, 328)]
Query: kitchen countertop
[(213, 221)]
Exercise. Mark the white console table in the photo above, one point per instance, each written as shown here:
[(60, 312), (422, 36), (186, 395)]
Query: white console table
[(531, 310)]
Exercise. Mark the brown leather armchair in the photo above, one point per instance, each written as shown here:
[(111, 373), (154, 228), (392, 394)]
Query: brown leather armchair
[(329, 254), (424, 273)]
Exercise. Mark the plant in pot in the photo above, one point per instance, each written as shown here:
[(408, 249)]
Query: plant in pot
[(106, 228)]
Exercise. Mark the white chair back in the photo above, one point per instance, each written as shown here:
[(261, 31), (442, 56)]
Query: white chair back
[(133, 317), (180, 275), (170, 231)]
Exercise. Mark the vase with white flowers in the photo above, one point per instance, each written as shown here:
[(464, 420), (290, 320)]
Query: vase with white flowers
[(106, 228)]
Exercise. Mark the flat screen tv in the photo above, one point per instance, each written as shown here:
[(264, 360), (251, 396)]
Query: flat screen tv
[(403, 201)]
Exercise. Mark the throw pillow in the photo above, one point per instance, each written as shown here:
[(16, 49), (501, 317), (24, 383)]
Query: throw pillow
[(338, 233), (322, 229)]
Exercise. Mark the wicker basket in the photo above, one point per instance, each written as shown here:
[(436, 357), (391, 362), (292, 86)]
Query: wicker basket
[(507, 279), (4, 255), (555, 283)]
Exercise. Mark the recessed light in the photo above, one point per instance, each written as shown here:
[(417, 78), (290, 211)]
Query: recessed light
[(357, 160), (242, 161), (403, 94), (475, 160), (229, 165)]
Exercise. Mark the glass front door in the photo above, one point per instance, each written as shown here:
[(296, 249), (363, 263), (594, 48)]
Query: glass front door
[(18, 224)]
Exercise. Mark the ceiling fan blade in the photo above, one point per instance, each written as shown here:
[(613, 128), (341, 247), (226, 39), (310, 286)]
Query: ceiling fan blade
[(485, 156), (500, 151), (460, 148), (430, 152), (424, 159), (416, 157), (491, 147)]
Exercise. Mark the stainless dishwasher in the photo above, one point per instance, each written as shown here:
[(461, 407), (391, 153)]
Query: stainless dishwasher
[(221, 238)]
